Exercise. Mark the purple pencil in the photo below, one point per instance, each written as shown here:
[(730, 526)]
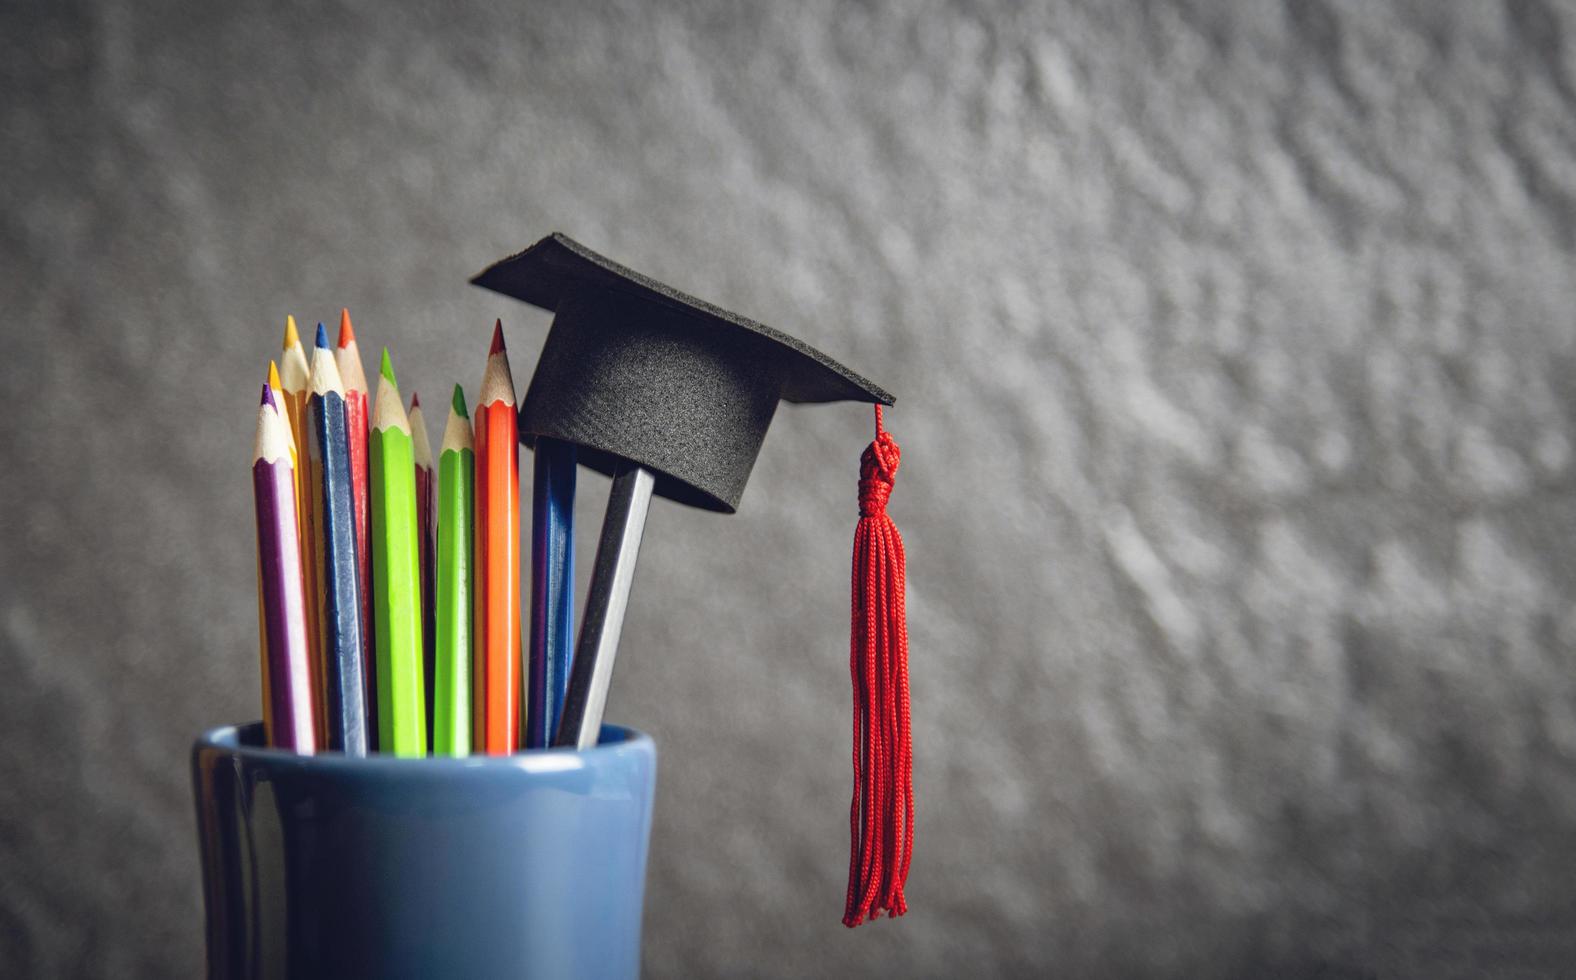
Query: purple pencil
[(288, 684)]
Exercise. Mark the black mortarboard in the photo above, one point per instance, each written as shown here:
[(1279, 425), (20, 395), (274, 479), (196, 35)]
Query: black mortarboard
[(636, 370)]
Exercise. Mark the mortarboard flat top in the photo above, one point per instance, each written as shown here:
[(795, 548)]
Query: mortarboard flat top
[(634, 369)]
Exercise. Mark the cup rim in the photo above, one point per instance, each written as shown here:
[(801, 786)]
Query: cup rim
[(614, 741)]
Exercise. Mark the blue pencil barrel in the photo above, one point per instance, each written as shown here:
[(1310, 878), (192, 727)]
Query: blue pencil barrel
[(552, 589)]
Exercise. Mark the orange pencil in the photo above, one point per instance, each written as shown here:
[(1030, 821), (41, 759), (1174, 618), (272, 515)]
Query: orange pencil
[(496, 709), (358, 421), (295, 378)]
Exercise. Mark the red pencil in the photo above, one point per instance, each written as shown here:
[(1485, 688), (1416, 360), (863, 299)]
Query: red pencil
[(496, 707), (358, 419)]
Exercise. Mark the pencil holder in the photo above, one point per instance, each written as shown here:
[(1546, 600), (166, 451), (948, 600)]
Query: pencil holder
[(525, 865)]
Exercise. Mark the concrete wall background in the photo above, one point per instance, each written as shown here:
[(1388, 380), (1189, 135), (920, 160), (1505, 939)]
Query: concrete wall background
[(1234, 356)]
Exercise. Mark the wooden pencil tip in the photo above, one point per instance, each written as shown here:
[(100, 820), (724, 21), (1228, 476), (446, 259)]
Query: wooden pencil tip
[(273, 376), (292, 339), (268, 397), (497, 341), (347, 336), (415, 400), (322, 337), (387, 367), (459, 402)]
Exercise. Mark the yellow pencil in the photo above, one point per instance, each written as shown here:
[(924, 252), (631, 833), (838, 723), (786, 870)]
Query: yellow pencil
[(295, 376)]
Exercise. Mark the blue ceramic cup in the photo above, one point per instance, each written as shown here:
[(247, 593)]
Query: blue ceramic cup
[(526, 865)]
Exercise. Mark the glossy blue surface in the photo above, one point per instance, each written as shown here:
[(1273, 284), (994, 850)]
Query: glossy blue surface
[(329, 865)]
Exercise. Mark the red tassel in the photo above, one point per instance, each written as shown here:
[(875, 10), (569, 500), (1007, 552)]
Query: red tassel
[(881, 819)]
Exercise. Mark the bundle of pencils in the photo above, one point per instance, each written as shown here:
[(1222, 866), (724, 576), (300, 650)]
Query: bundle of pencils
[(389, 581)]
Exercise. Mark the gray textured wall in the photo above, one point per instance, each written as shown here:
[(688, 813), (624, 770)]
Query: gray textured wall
[(1234, 352)]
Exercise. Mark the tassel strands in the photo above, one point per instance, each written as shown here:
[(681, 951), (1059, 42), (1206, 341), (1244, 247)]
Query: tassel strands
[(881, 817)]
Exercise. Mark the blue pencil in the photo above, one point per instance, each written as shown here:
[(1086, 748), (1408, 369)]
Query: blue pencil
[(552, 589), (339, 601)]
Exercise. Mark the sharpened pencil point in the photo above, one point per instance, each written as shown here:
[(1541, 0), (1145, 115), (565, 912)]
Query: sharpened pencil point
[(415, 400), (273, 376), (347, 336), (292, 339), (322, 337), (387, 368), (268, 397), (497, 341), (459, 402)]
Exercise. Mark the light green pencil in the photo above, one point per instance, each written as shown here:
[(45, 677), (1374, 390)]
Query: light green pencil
[(451, 689), (396, 574)]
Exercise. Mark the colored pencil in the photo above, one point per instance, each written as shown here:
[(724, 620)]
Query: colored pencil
[(396, 576), (358, 418), (426, 485), (334, 521), (287, 683), (552, 589), (451, 733), (496, 709), (262, 623), (295, 380)]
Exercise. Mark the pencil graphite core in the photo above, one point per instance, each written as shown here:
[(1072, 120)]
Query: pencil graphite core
[(396, 578)]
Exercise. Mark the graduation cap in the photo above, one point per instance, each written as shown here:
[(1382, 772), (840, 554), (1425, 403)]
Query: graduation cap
[(672, 396), (636, 370)]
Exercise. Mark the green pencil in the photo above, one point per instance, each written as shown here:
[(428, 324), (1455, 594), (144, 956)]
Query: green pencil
[(451, 709), (396, 574)]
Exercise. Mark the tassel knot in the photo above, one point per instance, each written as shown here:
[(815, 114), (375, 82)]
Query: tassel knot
[(877, 467), (881, 817)]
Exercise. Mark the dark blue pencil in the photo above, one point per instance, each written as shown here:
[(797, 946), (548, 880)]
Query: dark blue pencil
[(552, 589), (339, 603)]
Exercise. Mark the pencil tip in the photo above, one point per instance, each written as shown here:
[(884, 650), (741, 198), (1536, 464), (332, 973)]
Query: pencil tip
[(459, 402), (273, 376), (322, 337), (347, 336), (387, 367), (268, 397), (497, 341), (292, 339), (415, 400)]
